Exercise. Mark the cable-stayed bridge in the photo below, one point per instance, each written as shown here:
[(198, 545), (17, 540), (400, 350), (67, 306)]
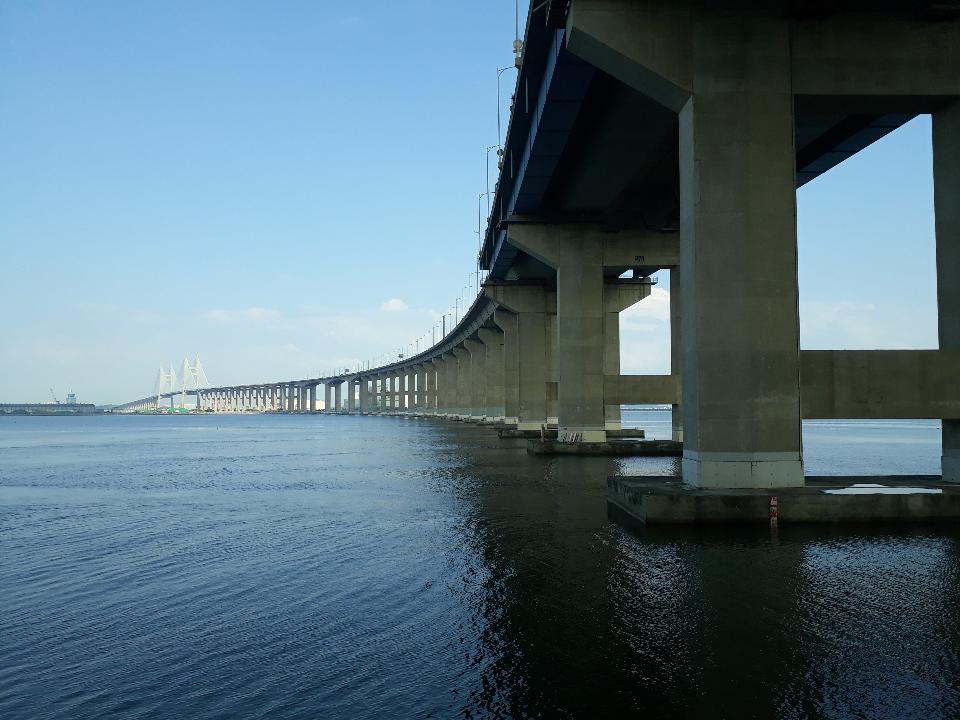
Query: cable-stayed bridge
[(168, 387)]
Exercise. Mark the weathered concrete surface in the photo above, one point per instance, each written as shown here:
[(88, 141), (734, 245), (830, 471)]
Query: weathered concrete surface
[(641, 389), (652, 448), (741, 334), (676, 352), (880, 384), (667, 500), (946, 191), (527, 347)]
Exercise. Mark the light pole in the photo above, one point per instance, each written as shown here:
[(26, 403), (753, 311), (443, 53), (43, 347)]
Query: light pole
[(501, 71), (480, 231), (491, 147), (517, 43)]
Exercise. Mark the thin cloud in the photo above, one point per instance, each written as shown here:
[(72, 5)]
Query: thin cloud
[(394, 305)]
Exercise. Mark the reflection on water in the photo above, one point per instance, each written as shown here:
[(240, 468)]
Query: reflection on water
[(366, 567)]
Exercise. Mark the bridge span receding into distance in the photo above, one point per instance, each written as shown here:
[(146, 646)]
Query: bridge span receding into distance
[(651, 136)]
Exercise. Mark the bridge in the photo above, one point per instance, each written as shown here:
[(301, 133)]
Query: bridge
[(649, 136)]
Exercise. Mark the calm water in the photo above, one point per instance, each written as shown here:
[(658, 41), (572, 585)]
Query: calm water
[(347, 567)]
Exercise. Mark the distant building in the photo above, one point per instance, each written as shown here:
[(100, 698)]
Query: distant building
[(67, 408)]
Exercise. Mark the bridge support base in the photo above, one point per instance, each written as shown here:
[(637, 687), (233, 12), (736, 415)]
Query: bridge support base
[(669, 501)]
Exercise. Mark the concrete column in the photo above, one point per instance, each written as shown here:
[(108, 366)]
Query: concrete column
[(463, 378), (435, 378), (290, 390), (492, 340), (449, 388), (381, 393), (400, 392), (351, 396), (423, 387), (415, 403), (532, 364), (338, 396), (410, 378), (553, 369), (946, 198), (446, 384), (611, 358), (676, 349), (741, 389), (364, 398), (509, 325), (478, 380)]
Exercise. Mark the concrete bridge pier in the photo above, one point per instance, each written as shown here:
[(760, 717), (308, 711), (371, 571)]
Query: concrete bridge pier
[(676, 351), (524, 320), (587, 309), (442, 386), (946, 176), (416, 390), (461, 410), (338, 396), (364, 395), (423, 388), (351, 397), (436, 378), (741, 367), (476, 408), (413, 391), (507, 322), (492, 339), (400, 392)]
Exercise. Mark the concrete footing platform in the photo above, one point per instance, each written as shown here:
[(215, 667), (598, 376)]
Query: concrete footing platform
[(650, 500), (552, 434), (612, 447)]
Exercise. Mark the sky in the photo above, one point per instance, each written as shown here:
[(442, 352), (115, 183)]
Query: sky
[(288, 188)]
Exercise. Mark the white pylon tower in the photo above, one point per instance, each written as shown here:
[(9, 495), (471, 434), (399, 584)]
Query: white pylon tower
[(192, 375), (166, 382)]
